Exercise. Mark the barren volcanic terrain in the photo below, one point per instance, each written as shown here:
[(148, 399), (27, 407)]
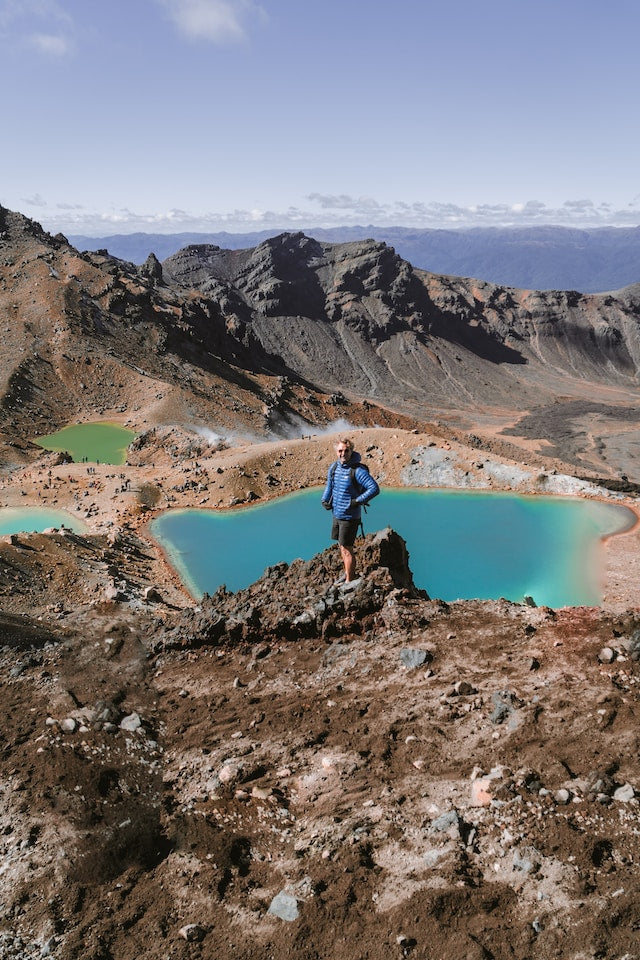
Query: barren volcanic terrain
[(300, 769)]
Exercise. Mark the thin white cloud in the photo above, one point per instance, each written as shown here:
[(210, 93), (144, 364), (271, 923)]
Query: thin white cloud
[(345, 210), (332, 201), (218, 21), (35, 201), (43, 25), (55, 45), (324, 211)]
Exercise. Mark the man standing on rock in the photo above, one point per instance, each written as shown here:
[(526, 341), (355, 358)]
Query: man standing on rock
[(349, 487)]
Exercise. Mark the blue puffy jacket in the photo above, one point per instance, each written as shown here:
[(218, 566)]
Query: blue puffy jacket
[(341, 490)]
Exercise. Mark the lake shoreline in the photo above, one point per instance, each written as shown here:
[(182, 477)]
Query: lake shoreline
[(550, 548), (259, 471)]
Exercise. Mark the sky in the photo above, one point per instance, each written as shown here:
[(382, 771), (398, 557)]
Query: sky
[(167, 116)]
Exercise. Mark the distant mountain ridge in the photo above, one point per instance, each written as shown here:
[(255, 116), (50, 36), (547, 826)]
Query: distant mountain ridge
[(529, 258), (357, 313), (295, 332)]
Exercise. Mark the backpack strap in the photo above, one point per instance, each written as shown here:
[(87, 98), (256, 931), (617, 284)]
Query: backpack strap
[(353, 474)]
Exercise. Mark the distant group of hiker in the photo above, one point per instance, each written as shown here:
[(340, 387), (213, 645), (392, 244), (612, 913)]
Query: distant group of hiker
[(349, 488)]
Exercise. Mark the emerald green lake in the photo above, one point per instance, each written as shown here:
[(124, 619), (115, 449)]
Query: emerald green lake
[(461, 545), (36, 519), (94, 442)]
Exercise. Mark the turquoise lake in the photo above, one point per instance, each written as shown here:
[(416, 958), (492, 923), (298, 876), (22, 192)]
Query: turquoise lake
[(461, 545), (36, 519)]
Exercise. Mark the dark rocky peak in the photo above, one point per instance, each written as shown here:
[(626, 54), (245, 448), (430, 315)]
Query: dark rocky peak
[(289, 602), (375, 290), (364, 283), (368, 265), (294, 275), (152, 269), (195, 265), (280, 277), (286, 247)]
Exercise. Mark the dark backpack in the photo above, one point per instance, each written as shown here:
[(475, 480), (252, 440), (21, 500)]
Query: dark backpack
[(352, 471)]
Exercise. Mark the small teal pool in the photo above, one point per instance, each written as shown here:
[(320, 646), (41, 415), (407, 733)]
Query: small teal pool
[(461, 545), (99, 442), (36, 519)]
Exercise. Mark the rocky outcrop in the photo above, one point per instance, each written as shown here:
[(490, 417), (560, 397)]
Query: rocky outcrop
[(302, 599), (152, 269), (23, 633)]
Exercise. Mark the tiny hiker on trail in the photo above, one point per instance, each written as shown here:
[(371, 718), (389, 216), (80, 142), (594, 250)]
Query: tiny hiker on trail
[(349, 487)]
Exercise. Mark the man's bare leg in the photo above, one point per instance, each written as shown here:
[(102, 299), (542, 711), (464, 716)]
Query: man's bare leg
[(349, 563)]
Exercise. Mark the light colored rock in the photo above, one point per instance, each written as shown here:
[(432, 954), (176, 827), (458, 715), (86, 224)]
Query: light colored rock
[(484, 786), (482, 792), (606, 655), (229, 772), (131, 722), (526, 860), (261, 793), (192, 933), (625, 793), (284, 906), (448, 823)]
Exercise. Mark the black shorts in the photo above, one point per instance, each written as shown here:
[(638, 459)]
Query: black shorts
[(344, 531)]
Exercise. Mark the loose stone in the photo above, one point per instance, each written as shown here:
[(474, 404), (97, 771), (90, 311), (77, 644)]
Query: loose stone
[(625, 793), (284, 906), (229, 772), (606, 655), (131, 722), (412, 658), (192, 932)]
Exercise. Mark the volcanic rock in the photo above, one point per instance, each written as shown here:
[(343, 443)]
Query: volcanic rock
[(302, 599)]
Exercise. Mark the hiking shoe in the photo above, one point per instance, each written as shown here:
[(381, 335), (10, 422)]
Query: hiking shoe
[(340, 580)]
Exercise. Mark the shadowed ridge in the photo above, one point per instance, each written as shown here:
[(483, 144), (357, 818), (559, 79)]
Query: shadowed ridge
[(23, 633)]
